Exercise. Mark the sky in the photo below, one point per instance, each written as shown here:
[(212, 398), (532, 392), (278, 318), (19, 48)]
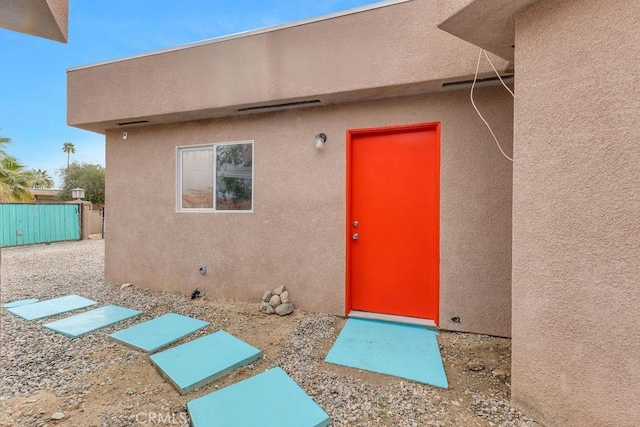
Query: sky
[(33, 73)]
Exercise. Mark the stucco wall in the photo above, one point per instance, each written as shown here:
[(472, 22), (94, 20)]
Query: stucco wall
[(576, 213), (387, 51), (95, 222), (296, 235), (42, 18)]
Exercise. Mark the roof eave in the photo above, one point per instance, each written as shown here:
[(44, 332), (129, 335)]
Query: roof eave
[(489, 24), (42, 18)]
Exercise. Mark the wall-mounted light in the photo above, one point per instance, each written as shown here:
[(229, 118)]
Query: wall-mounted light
[(77, 193), (321, 138)]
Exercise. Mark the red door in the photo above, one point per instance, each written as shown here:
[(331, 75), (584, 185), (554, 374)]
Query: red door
[(393, 220)]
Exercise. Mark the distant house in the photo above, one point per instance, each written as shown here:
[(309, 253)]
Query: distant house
[(45, 195), (374, 186)]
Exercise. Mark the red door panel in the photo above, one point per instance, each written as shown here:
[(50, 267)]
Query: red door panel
[(393, 196)]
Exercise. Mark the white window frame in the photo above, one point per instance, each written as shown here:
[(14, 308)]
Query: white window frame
[(181, 148)]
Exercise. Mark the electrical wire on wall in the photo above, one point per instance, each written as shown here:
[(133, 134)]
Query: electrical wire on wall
[(473, 85)]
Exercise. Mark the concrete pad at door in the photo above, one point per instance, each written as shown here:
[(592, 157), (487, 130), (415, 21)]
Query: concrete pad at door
[(202, 361), (89, 321), (154, 334), (407, 351), (251, 403), (20, 303), (52, 307)]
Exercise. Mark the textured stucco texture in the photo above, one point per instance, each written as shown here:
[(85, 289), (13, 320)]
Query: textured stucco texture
[(296, 233), (389, 51), (497, 29), (576, 213), (42, 18)]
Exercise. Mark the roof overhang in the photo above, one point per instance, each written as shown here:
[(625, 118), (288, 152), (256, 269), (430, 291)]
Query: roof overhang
[(43, 18), (489, 24), (388, 49)]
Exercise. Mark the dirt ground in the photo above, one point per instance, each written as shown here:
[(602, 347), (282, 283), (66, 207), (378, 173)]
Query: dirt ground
[(133, 392)]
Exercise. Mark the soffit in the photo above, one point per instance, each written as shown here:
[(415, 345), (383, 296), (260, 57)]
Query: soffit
[(42, 18), (489, 24)]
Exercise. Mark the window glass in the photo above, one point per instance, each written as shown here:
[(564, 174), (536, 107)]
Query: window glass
[(217, 177), (197, 178), (234, 176)]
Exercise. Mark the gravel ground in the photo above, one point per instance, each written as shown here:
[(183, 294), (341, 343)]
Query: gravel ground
[(94, 381)]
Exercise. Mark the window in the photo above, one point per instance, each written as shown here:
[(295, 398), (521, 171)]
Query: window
[(216, 177)]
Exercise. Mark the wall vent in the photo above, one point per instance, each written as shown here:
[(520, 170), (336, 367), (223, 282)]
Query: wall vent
[(506, 79), (286, 104), (137, 122)]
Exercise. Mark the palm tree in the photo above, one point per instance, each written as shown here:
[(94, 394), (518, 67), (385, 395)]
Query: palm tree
[(69, 148), (3, 141), (14, 181), (41, 179)]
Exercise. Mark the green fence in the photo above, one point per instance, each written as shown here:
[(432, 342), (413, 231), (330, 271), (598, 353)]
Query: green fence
[(30, 223)]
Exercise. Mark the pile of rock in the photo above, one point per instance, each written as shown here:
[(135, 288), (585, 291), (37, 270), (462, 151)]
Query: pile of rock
[(276, 302)]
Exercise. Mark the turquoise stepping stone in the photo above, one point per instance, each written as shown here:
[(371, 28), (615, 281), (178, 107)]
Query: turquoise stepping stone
[(52, 307), (202, 361), (20, 303), (407, 351), (89, 321), (154, 334), (250, 403)]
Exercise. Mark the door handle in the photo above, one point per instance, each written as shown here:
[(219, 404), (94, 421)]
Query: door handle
[(355, 236)]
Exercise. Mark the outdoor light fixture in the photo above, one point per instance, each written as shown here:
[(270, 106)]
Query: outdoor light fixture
[(77, 193), (321, 138)]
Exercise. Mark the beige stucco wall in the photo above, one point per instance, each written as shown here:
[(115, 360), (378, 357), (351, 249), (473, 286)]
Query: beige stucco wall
[(489, 24), (296, 235), (389, 51), (95, 222), (576, 213), (42, 18)]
